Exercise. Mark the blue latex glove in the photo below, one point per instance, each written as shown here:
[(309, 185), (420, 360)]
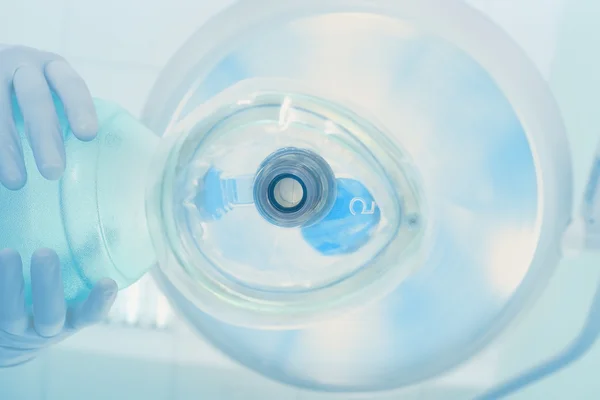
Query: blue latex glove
[(23, 335), (30, 76)]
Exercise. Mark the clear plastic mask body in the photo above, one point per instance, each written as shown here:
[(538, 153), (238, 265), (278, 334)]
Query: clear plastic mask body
[(280, 209), (439, 173)]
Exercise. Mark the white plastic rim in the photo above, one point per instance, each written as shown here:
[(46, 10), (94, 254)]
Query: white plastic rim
[(464, 27)]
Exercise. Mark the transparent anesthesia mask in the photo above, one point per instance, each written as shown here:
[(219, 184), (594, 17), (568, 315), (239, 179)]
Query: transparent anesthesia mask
[(356, 195), (289, 206)]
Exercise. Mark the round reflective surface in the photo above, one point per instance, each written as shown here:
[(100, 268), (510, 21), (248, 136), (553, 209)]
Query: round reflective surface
[(485, 155)]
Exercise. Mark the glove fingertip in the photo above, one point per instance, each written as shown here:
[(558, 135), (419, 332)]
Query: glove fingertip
[(52, 172), (45, 259), (85, 128), (107, 289), (13, 174), (96, 307), (9, 257), (101, 298)]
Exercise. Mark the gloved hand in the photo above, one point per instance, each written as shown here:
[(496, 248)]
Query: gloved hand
[(30, 75), (22, 336)]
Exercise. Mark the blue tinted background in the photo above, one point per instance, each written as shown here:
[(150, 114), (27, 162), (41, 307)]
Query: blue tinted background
[(145, 352)]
